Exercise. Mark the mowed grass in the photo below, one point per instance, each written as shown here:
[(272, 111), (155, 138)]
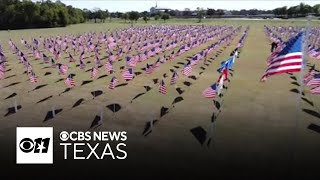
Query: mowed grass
[(260, 121)]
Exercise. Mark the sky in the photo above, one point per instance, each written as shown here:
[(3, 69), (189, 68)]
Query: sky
[(145, 5)]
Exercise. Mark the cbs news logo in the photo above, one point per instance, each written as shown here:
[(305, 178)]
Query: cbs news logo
[(34, 145)]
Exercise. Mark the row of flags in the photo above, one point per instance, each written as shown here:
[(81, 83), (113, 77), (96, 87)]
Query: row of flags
[(215, 89)]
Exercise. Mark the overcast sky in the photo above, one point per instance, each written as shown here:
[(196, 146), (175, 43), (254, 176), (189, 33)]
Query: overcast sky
[(145, 5)]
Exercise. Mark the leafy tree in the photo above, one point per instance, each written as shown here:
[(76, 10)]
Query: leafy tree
[(133, 16), (200, 14), (156, 17), (210, 12), (165, 16), (125, 16)]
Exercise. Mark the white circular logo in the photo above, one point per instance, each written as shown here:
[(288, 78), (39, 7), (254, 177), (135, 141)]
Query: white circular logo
[(64, 136)]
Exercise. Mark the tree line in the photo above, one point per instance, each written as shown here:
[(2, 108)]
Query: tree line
[(17, 14), (300, 10)]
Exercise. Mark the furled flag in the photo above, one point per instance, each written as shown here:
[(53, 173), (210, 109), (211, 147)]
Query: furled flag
[(315, 90), (33, 78), (187, 70), (315, 81), (288, 60), (224, 75), (94, 72), (113, 83), (162, 87), (211, 91), (70, 81), (174, 78), (128, 74), (63, 69), (149, 69)]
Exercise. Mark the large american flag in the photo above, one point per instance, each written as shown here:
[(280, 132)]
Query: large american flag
[(128, 74), (70, 81), (288, 60), (113, 83), (211, 91), (162, 87)]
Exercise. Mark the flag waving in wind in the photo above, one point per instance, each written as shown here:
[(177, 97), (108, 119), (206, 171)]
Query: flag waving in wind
[(211, 91), (288, 60)]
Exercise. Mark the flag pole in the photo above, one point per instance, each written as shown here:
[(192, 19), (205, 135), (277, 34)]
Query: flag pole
[(301, 89)]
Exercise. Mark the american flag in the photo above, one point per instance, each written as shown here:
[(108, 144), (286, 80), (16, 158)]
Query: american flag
[(70, 82), (288, 60), (309, 75), (82, 64), (71, 59), (315, 90), (162, 87), (33, 77), (315, 81), (109, 67), (2, 56), (211, 91), (2, 73), (63, 69), (130, 61), (187, 70), (45, 58), (53, 63), (112, 57), (149, 69), (157, 63), (113, 83), (128, 74), (224, 75), (172, 55), (94, 72), (174, 78)]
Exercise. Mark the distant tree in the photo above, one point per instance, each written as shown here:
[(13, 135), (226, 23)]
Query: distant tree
[(316, 9), (165, 16), (125, 17), (200, 14), (145, 18), (156, 17), (172, 13), (186, 12), (210, 12), (133, 16)]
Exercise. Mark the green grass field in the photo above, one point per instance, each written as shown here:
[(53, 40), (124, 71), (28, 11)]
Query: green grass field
[(260, 121)]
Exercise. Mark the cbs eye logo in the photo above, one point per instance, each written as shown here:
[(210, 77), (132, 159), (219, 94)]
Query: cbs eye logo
[(38, 145), (34, 145)]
